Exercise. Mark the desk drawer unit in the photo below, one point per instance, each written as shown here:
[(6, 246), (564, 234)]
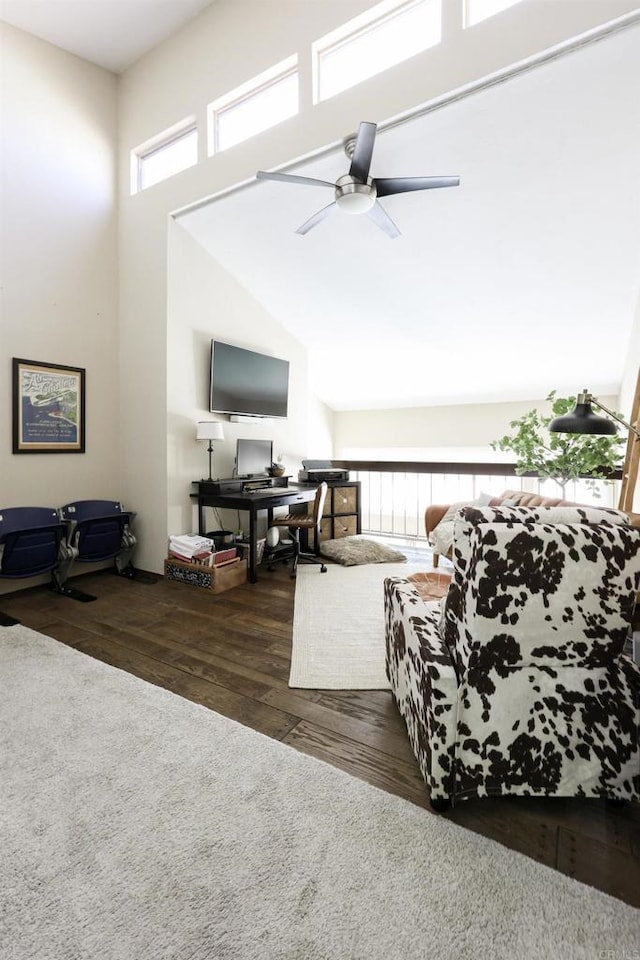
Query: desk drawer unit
[(344, 527), (345, 501), (341, 513)]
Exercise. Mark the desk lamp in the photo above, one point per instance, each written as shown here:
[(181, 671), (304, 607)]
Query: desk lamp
[(209, 430), (584, 420)]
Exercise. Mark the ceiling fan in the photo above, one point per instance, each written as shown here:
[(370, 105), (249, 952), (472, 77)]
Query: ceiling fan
[(357, 192)]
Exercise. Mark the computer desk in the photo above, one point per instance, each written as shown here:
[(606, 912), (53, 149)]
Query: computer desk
[(253, 501)]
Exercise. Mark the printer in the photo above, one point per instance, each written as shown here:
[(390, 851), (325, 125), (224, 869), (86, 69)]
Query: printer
[(315, 471)]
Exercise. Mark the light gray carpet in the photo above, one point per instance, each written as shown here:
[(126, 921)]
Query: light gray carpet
[(136, 825)]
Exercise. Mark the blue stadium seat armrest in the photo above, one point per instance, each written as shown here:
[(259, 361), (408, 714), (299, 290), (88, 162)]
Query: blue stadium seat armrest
[(66, 555), (123, 559), (70, 525)]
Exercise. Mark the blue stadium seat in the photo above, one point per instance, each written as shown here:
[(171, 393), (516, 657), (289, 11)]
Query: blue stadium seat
[(30, 539), (97, 530)]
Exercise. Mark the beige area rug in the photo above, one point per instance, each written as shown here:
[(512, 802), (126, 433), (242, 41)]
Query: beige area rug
[(136, 825), (338, 626)]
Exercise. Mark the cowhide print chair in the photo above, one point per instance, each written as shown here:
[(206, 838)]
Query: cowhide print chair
[(516, 682)]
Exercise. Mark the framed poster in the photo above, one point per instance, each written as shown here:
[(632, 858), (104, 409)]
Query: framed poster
[(48, 407)]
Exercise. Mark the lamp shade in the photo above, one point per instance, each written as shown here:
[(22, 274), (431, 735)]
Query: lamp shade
[(583, 420), (209, 430)]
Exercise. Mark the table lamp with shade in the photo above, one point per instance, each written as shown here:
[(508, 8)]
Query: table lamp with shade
[(209, 430)]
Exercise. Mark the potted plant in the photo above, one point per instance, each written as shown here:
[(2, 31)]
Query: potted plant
[(277, 467), (560, 456)]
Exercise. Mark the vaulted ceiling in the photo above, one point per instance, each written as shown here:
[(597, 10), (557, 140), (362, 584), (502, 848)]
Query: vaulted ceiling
[(523, 279)]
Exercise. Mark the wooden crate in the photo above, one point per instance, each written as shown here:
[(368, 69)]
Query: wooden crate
[(216, 579)]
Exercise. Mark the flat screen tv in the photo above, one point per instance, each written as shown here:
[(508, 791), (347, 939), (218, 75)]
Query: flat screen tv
[(253, 457), (247, 383)]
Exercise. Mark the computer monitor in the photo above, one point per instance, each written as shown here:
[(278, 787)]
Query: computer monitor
[(253, 457)]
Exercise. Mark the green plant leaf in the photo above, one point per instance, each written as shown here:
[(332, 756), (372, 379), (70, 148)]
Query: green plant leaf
[(558, 456)]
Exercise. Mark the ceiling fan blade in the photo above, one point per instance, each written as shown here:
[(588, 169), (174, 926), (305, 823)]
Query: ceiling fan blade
[(363, 151), (387, 187), (291, 178), (381, 218), (315, 219)]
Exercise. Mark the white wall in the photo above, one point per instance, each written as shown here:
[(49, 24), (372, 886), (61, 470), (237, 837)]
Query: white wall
[(204, 302), (59, 258), (443, 433)]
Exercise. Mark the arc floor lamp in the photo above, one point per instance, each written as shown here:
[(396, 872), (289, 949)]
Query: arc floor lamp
[(582, 419)]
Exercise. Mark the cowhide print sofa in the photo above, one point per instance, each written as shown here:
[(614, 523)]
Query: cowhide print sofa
[(516, 682)]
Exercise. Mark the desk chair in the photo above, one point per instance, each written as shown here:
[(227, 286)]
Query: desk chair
[(297, 522)]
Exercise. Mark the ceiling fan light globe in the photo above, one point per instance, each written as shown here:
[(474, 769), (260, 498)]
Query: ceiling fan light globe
[(355, 202)]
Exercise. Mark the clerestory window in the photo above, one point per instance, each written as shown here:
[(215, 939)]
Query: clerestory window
[(384, 36), (167, 154), (262, 102)]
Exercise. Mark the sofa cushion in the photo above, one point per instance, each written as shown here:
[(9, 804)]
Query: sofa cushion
[(441, 538), (482, 500)]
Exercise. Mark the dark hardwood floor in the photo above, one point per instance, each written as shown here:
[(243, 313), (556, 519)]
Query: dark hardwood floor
[(231, 653)]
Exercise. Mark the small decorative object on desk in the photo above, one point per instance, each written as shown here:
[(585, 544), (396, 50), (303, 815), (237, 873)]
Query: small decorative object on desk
[(277, 467)]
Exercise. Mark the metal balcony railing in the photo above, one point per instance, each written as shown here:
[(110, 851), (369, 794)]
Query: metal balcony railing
[(395, 495)]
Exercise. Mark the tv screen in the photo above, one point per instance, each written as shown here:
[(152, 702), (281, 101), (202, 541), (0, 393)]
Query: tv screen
[(253, 457), (249, 383)]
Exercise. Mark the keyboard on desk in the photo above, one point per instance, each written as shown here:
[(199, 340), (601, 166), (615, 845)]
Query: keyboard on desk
[(269, 493)]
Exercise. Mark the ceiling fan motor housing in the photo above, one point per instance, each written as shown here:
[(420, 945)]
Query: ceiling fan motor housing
[(357, 192), (353, 196)]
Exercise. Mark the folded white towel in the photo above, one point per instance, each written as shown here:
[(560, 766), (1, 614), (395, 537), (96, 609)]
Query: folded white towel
[(189, 544)]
